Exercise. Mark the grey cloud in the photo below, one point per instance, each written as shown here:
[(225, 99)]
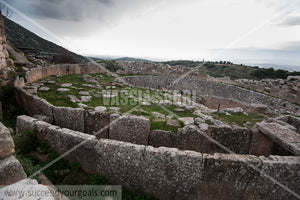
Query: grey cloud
[(70, 10), (291, 21)]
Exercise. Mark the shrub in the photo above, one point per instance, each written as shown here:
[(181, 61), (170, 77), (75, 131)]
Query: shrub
[(26, 141)]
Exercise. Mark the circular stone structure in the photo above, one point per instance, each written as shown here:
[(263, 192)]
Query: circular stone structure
[(223, 162)]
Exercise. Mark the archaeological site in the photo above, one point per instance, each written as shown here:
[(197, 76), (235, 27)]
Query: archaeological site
[(158, 130)]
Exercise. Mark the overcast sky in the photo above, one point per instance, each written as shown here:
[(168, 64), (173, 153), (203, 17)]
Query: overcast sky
[(252, 31)]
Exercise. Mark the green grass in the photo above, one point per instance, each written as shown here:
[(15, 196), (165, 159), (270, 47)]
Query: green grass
[(62, 99), (239, 118)]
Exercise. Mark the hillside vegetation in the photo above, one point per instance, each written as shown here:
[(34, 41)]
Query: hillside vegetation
[(29, 43), (234, 71)]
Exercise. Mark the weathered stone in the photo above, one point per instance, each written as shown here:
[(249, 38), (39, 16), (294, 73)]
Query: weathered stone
[(159, 115), (199, 121), (86, 98), (218, 122), (159, 138), (100, 109), (88, 78), (73, 98), (145, 103), (115, 109), (170, 116), (129, 129), (74, 119), (44, 89), (43, 118), (233, 110), (83, 93), (169, 173), (187, 120), (6, 142), (203, 116), (192, 138), (97, 123), (283, 136), (28, 187), (63, 90), (173, 122), (236, 140), (225, 176), (81, 105), (66, 85), (31, 90), (203, 126), (11, 171), (260, 144)]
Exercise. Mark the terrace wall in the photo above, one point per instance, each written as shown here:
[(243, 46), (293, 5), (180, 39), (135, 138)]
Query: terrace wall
[(210, 88), (169, 173)]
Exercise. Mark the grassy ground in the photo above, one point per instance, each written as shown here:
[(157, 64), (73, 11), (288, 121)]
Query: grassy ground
[(239, 118), (33, 155), (128, 99)]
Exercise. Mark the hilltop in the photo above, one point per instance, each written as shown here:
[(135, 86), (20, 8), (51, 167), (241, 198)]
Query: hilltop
[(35, 46)]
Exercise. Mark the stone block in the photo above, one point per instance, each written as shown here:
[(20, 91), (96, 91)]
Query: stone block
[(71, 118), (25, 123), (192, 138), (134, 129), (41, 192), (11, 171), (260, 145), (159, 138), (97, 123), (226, 177), (6, 142), (278, 169), (235, 139)]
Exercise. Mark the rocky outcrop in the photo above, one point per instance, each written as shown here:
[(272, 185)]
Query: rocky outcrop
[(11, 170), (6, 64), (6, 142)]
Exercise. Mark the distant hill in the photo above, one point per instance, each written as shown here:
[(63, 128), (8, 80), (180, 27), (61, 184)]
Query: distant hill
[(234, 71), (30, 43), (132, 59)]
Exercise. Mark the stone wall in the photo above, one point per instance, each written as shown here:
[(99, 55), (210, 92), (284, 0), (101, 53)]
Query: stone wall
[(99, 123), (43, 72), (282, 88), (210, 88), (126, 128), (11, 170), (130, 67), (169, 173), (6, 64)]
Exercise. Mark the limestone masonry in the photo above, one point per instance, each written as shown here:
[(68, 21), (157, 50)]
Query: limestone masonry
[(169, 173)]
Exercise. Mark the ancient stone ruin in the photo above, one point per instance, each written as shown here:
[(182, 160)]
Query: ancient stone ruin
[(205, 159), (202, 156)]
